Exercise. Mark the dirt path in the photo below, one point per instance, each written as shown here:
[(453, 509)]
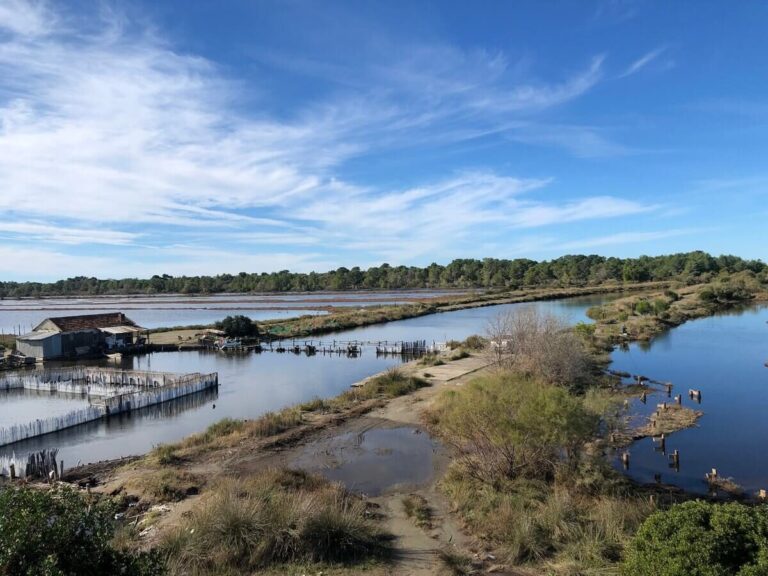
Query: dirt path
[(381, 450), (359, 454)]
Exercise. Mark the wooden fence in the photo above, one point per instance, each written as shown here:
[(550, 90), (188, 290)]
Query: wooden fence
[(119, 401)]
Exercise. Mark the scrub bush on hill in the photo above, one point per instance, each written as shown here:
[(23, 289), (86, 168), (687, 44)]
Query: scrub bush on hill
[(701, 539), (58, 533), (507, 426), (539, 344), (238, 327)]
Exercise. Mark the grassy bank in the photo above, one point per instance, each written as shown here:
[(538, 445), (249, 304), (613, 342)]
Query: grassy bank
[(161, 474), (347, 318), (641, 317), (275, 520)]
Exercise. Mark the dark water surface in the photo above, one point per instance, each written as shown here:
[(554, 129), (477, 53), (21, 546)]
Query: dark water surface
[(723, 356), (251, 384), (373, 461)]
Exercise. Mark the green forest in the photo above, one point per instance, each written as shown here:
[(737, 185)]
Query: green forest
[(488, 273)]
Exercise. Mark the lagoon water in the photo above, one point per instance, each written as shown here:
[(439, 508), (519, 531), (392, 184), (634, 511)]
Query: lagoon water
[(251, 384), (162, 310), (724, 357)]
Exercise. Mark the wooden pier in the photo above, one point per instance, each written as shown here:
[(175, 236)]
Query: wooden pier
[(117, 391), (349, 348)]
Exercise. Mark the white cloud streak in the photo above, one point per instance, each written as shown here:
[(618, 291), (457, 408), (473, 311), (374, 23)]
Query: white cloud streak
[(642, 62), (109, 136)]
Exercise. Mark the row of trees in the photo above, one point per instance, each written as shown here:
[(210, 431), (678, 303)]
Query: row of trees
[(464, 273)]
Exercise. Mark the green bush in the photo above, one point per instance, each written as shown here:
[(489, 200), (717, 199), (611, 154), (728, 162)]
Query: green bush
[(238, 327), (56, 533), (701, 539), (725, 293), (505, 426), (475, 342), (643, 307)]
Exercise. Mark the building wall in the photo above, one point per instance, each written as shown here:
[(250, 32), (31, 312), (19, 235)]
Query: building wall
[(44, 349), (71, 341)]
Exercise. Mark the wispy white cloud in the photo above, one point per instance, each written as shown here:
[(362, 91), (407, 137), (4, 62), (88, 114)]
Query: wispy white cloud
[(581, 141), (27, 18), (626, 238), (108, 135), (39, 231), (642, 62)]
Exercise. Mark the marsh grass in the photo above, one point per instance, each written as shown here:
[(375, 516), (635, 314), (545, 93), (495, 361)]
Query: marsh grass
[(393, 383), (272, 519), (417, 508), (562, 528), (164, 485), (456, 563), (431, 360)]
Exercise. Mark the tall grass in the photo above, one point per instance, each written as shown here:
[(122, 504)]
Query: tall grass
[(394, 382), (272, 519)]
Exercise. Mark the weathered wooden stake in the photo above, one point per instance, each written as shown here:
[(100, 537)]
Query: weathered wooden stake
[(13, 471)]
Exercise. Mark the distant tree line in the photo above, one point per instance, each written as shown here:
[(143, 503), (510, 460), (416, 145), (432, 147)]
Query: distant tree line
[(487, 273)]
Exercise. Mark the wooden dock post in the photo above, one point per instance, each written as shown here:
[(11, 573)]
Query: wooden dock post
[(625, 460), (675, 458)]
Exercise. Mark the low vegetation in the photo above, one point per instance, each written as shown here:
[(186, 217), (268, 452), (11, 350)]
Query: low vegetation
[(417, 508), (701, 539), (59, 532), (641, 317), (525, 480), (273, 519)]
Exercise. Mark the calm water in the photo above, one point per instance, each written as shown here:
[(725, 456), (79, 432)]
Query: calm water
[(724, 357), (183, 310), (253, 384), (373, 461)]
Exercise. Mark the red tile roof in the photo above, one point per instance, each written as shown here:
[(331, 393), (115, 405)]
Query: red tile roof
[(91, 321)]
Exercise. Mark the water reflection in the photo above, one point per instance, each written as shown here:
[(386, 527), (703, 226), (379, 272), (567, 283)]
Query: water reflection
[(722, 358), (119, 426), (253, 384)]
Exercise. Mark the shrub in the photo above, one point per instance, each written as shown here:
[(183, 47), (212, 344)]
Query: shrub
[(475, 342), (701, 539), (538, 344), (725, 293), (238, 327), (643, 307), (506, 426), (452, 344), (56, 533)]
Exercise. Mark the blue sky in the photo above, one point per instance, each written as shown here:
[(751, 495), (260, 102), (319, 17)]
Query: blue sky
[(196, 137)]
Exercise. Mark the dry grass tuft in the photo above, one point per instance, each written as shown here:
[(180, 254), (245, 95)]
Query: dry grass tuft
[(273, 519)]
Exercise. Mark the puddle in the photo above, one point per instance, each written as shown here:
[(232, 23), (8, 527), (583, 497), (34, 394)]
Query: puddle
[(374, 461)]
